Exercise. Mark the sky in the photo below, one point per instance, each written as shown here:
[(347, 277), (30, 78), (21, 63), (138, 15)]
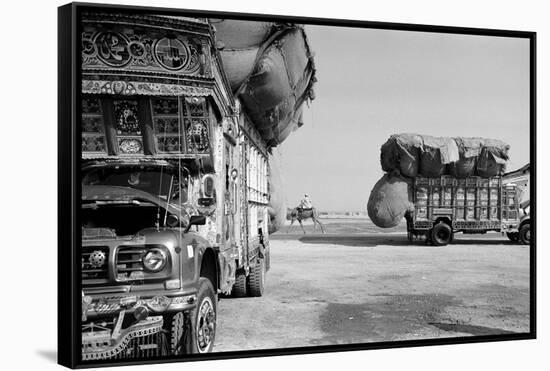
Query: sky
[(375, 83)]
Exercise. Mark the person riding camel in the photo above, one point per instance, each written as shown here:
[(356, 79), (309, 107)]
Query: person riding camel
[(304, 211), (305, 203)]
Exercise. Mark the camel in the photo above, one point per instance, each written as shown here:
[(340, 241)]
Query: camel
[(303, 214)]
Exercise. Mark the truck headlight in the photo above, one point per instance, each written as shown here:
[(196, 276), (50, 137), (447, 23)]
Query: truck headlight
[(155, 260)]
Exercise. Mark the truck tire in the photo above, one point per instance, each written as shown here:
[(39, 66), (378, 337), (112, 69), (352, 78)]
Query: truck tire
[(174, 324), (525, 234), (513, 236), (441, 234), (203, 320), (256, 279), (239, 287)]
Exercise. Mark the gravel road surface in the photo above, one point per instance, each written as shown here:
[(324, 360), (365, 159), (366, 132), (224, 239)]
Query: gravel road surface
[(356, 284)]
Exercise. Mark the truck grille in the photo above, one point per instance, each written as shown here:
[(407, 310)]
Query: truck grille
[(95, 262), (130, 259), (101, 264)]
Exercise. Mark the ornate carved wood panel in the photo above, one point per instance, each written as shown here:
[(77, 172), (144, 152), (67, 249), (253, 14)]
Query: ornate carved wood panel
[(108, 50)]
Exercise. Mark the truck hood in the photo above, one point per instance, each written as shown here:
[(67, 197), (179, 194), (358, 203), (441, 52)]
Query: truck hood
[(115, 193)]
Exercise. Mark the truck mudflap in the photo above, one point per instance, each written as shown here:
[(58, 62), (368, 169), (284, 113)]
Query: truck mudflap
[(143, 339)]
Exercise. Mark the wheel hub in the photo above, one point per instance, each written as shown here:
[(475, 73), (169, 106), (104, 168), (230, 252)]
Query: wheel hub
[(206, 325)]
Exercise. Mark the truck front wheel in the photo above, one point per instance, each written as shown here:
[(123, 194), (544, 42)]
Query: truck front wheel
[(203, 319), (441, 234), (525, 234)]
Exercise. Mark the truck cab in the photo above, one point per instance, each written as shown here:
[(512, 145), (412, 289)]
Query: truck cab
[(146, 269), (523, 235)]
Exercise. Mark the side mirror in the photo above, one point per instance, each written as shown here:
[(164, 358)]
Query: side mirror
[(195, 220)]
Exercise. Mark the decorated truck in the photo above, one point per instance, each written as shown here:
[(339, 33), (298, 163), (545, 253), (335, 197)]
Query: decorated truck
[(175, 193), (447, 205), (444, 185)]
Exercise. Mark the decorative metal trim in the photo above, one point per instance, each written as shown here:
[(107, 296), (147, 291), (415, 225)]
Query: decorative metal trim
[(149, 326), (187, 25), (158, 156), (142, 88)]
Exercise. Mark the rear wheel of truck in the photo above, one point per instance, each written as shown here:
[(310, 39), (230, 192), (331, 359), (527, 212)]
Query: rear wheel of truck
[(239, 287), (256, 279), (513, 236), (203, 319), (441, 234), (525, 234)]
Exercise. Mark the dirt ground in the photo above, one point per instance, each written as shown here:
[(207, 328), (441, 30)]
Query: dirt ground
[(359, 284)]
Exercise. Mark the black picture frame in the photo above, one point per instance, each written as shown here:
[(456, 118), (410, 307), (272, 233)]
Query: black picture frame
[(69, 188)]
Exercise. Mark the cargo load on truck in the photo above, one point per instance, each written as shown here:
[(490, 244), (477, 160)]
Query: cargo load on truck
[(389, 200), (404, 157), (413, 155), (271, 69), (239, 43)]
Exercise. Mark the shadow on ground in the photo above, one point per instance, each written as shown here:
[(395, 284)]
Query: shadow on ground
[(394, 317), (470, 329), (388, 318), (386, 240)]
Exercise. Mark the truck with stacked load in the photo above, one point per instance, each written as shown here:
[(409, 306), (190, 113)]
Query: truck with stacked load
[(442, 186), (175, 194)]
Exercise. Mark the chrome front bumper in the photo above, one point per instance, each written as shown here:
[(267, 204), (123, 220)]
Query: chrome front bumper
[(98, 306)]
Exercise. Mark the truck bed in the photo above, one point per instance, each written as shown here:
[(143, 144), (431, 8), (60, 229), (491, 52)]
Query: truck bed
[(472, 203)]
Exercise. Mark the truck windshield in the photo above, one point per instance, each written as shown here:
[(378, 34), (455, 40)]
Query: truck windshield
[(116, 220), (154, 180)]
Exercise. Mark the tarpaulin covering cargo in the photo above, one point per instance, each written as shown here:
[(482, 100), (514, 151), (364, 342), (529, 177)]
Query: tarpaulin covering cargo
[(239, 43), (389, 200), (270, 67), (402, 152), (413, 155), (279, 84), (492, 159), (468, 152)]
